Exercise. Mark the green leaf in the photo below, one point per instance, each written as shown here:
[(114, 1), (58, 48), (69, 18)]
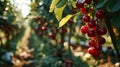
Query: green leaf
[(116, 19), (53, 4), (101, 3), (64, 20), (113, 5), (73, 3), (61, 3), (58, 12)]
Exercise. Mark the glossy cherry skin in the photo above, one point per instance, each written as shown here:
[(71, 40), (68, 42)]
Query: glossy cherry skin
[(99, 14), (92, 24), (79, 4), (102, 31), (91, 33), (85, 18), (92, 43), (84, 29)]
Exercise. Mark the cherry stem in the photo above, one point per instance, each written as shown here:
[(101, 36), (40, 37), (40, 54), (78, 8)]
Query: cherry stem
[(111, 32)]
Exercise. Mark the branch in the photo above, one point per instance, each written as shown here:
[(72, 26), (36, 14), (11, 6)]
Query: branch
[(111, 32)]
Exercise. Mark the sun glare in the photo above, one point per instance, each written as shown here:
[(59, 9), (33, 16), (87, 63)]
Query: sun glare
[(23, 6)]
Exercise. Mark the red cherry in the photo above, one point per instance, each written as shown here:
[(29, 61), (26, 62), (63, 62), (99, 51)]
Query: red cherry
[(84, 29), (96, 54), (83, 10), (52, 36), (88, 1), (63, 31), (99, 14), (109, 47), (91, 33), (70, 21), (86, 18), (98, 47), (91, 50), (101, 40), (79, 4), (102, 31), (92, 43), (92, 24)]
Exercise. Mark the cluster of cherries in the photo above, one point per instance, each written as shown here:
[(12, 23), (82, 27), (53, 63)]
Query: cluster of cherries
[(93, 27)]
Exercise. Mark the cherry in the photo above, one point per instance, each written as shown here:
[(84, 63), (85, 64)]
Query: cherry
[(92, 43), (101, 40), (96, 54), (91, 50), (99, 14), (79, 4), (70, 21), (109, 47), (83, 10), (63, 31), (84, 29), (102, 31), (88, 1), (91, 33), (92, 24), (98, 47), (86, 18), (52, 36)]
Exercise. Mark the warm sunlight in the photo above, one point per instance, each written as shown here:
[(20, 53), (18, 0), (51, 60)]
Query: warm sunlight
[(23, 5)]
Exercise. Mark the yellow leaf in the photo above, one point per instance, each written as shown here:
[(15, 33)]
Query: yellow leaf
[(64, 20), (53, 4), (58, 12)]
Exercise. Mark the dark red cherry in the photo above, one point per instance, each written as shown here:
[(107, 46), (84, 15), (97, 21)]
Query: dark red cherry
[(99, 14), (92, 43), (88, 1), (91, 33), (86, 18), (79, 4), (92, 24)]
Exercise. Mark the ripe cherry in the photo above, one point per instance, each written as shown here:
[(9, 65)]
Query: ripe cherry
[(96, 54), (88, 1), (84, 29), (99, 14), (92, 43), (70, 21), (52, 36), (64, 30), (79, 4), (83, 10), (91, 33), (102, 31), (101, 40), (98, 46), (91, 50), (92, 24), (86, 18)]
